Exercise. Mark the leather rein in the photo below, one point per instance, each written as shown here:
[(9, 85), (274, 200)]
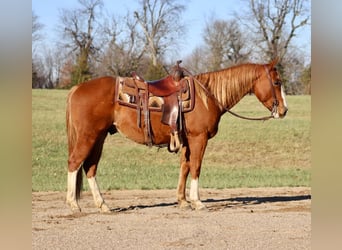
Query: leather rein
[(275, 100)]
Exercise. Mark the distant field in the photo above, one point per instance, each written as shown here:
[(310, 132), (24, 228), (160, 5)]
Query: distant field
[(243, 153)]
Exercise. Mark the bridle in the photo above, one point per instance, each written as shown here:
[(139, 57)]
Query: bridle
[(274, 105), (275, 100)]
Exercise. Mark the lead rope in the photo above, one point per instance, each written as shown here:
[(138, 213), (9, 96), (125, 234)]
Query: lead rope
[(226, 109)]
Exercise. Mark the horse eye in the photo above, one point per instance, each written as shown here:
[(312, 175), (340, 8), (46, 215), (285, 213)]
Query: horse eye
[(277, 83)]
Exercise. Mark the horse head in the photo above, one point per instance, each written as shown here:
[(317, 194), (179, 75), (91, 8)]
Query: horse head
[(177, 72), (270, 91)]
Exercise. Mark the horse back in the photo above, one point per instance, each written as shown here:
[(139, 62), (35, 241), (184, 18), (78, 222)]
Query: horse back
[(100, 89)]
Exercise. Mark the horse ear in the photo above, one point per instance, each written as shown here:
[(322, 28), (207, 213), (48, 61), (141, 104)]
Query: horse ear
[(274, 62)]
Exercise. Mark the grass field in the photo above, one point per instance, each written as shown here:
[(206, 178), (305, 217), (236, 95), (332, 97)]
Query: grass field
[(242, 154)]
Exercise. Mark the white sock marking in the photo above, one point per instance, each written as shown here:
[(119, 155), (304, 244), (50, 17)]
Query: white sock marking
[(194, 193), (95, 191), (71, 194)]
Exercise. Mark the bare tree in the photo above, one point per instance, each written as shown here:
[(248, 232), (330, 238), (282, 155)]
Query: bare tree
[(306, 79), (125, 49), (273, 25), (276, 22), (78, 27), (196, 62), (226, 45), (38, 74), (36, 28), (296, 72), (160, 21), (45, 68), (64, 78), (38, 77)]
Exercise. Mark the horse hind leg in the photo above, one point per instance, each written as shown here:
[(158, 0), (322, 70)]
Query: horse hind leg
[(79, 153), (90, 167), (74, 181), (183, 175), (79, 148)]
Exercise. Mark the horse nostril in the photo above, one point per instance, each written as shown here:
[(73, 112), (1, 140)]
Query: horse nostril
[(286, 109)]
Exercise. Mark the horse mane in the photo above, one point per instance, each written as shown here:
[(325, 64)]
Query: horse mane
[(228, 85)]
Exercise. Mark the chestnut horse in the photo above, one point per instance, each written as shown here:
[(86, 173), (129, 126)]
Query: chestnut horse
[(92, 113)]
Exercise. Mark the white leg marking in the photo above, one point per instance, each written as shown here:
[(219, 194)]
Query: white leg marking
[(194, 196), (95, 191), (71, 193), (194, 193), (99, 202)]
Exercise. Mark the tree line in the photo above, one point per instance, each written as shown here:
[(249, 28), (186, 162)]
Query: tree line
[(94, 43)]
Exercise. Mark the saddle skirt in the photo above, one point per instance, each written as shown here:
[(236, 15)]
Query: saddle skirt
[(128, 91)]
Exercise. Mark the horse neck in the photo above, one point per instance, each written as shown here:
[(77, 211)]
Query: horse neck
[(230, 85)]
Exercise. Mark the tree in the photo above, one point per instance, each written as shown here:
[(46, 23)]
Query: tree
[(225, 44), (273, 24), (65, 74), (38, 78), (306, 79), (196, 61), (45, 69), (160, 22), (36, 28), (276, 23), (78, 27), (125, 50)]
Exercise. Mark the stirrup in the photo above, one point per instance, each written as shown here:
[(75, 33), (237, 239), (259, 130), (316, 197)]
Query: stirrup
[(174, 142)]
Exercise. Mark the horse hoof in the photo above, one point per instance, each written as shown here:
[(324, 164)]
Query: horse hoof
[(184, 205), (75, 208), (198, 205), (104, 208)]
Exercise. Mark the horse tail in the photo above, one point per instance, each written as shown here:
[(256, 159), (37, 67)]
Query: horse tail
[(79, 183), (72, 138), (69, 125)]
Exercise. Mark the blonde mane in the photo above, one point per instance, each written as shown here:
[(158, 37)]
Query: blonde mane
[(228, 85)]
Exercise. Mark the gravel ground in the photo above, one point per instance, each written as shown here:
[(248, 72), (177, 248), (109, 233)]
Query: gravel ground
[(245, 218)]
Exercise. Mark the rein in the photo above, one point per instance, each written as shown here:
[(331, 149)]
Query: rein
[(265, 118)]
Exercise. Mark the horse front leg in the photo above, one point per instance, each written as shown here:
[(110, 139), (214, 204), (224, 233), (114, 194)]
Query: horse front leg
[(197, 147), (191, 160)]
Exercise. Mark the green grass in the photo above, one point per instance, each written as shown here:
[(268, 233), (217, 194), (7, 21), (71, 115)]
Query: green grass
[(242, 154)]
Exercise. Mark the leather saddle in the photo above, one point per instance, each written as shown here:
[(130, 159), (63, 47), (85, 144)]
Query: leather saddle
[(171, 95)]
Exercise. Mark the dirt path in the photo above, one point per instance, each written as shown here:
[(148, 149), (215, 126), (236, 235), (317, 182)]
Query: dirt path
[(260, 218)]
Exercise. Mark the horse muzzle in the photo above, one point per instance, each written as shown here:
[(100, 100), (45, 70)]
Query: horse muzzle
[(279, 112)]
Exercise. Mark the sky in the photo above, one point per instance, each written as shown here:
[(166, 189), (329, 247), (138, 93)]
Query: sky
[(198, 12)]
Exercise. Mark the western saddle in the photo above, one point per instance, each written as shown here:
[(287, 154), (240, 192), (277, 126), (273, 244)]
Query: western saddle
[(172, 95)]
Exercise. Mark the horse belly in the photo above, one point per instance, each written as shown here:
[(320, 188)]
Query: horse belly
[(126, 122)]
